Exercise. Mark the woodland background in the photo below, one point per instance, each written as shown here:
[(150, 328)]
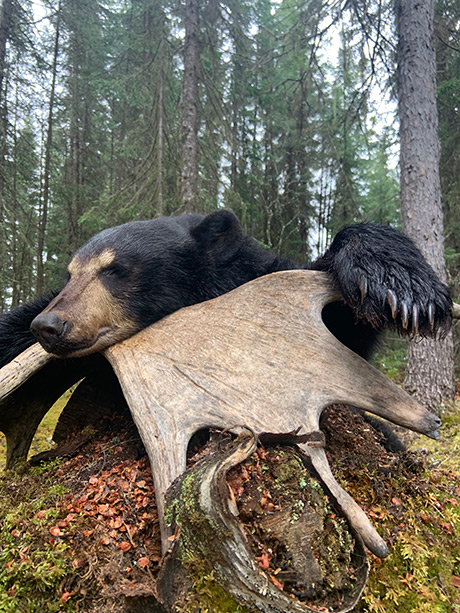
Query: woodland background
[(289, 117), (293, 105)]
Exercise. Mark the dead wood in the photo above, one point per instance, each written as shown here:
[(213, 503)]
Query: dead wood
[(212, 539), (17, 372)]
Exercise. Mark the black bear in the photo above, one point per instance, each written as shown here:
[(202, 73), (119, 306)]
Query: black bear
[(128, 277)]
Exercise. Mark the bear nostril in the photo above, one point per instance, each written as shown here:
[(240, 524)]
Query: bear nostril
[(47, 327)]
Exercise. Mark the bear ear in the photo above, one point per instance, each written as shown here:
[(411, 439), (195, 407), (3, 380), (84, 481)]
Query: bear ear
[(220, 232)]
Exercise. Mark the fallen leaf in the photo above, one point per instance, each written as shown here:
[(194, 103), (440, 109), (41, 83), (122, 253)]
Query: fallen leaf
[(264, 560), (88, 532), (55, 531), (276, 582), (143, 562)]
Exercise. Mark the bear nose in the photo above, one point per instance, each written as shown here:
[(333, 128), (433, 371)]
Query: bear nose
[(47, 327)]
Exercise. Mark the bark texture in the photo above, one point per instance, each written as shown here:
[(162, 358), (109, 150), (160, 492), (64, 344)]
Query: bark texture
[(190, 107), (47, 162), (6, 17), (430, 370)]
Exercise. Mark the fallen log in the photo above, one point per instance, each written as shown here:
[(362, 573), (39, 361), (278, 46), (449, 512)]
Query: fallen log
[(259, 357)]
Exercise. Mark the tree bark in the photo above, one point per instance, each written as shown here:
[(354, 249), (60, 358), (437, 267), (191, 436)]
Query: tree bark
[(47, 163), (160, 128), (190, 107), (430, 370), (5, 28)]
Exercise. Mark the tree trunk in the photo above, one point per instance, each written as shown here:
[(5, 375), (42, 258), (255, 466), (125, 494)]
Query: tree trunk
[(14, 216), (5, 28), (5, 25), (190, 107), (430, 370), (47, 163), (160, 128)]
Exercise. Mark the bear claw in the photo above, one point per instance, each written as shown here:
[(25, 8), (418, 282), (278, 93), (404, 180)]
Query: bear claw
[(415, 313), (431, 314), (393, 302), (404, 315)]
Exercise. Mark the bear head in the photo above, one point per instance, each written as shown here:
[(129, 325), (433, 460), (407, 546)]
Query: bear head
[(126, 278)]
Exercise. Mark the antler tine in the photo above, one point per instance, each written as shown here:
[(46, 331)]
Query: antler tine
[(18, 371)]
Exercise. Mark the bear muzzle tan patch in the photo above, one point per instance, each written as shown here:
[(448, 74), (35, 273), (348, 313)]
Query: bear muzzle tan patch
[(85, 317)]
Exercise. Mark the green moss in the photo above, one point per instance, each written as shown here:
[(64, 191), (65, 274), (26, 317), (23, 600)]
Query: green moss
[(199, 533), (208, 596), (32, 563), (423, 528), (444, 454)]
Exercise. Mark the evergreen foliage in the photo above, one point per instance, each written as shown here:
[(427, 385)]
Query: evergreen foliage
[(91, 99), (295, 129)]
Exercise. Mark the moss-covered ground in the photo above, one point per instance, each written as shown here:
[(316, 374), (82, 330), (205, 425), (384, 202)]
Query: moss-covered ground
[(81, 534)]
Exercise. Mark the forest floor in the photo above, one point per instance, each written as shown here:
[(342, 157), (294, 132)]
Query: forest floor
[(80, 533)]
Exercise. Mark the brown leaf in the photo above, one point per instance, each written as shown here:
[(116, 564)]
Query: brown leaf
[(456, 581), (55, 531), (276, 582), (143, 562), (65, 596), (88, 532), (264, 560)]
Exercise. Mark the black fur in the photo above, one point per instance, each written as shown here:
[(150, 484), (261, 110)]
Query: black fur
[(15, 335), (368, 261), (171, 262)]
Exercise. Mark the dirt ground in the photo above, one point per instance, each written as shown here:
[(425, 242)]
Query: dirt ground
[(92, 513)]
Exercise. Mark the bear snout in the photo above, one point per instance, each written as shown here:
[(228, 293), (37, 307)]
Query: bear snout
[(48, 328)]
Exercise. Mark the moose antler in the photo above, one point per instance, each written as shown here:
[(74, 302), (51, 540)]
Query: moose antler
[(259, 356), (19, 370)]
